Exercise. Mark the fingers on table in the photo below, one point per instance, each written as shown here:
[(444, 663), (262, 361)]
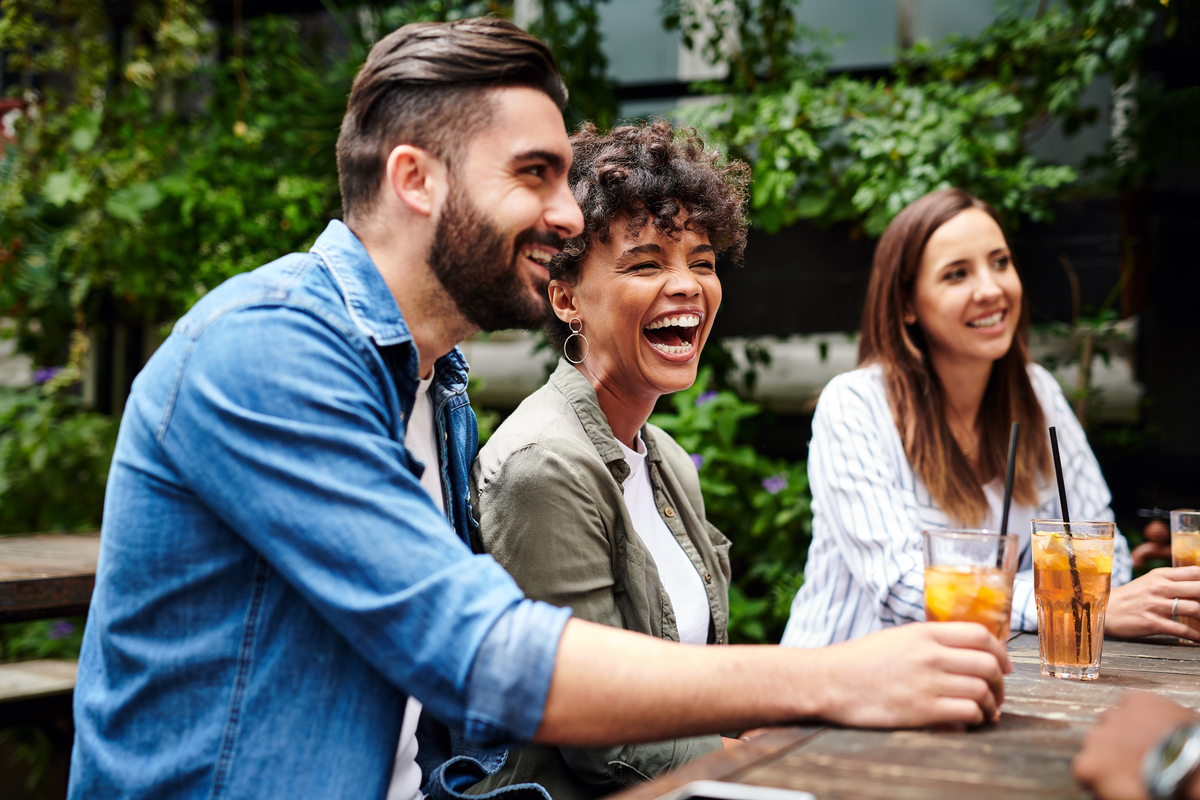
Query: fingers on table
[(978, 691)]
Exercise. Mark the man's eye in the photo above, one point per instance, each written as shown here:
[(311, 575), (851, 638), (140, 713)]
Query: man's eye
[(537, 170), (706, 265)]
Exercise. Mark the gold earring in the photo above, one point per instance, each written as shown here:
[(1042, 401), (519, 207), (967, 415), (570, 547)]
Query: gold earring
[(576, 331)]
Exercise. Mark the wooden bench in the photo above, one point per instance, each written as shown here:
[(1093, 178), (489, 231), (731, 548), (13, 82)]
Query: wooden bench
[(40, 693), (30, 691)]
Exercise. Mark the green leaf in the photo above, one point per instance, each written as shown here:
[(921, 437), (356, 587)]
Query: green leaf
[(129, 204), (813, 204), (87, 129), (64, 187)]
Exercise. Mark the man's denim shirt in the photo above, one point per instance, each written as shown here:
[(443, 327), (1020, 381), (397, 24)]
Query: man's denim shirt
[(273, 580)]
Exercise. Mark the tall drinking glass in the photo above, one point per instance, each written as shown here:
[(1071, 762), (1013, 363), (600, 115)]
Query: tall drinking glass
[(969, 577), (1185, 549), (1072, 575)]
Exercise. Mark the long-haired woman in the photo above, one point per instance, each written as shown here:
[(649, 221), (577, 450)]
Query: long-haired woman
[(917, 438)]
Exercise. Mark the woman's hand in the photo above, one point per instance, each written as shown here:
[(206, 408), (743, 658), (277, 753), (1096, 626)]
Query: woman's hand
[(1109, 764), (1143, 606)]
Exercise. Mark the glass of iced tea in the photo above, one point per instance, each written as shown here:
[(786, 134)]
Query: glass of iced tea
[(1185, 549), (1072, 575), (969, 577)]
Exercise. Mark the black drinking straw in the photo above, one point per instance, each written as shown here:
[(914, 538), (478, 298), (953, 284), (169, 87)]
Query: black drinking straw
[(1062, 489), (1076, 585), (1008, 476)]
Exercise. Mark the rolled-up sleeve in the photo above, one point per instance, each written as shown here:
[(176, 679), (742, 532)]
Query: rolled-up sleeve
[(283, 425)]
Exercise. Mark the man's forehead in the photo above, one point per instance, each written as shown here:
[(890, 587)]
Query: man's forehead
[(525, 125)]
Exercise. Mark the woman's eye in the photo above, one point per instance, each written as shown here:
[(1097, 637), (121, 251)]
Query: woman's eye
[(955, 275), (1002, 263)]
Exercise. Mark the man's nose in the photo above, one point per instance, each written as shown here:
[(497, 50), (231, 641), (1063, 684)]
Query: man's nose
[(563, 214)]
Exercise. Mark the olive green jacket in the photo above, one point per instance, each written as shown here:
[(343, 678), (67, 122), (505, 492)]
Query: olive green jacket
[(548, 489)]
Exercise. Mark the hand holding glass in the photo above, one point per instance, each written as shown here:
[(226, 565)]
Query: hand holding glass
[(969, 577)]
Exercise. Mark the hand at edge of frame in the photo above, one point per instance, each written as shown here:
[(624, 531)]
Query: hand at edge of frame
[(1109, 763)]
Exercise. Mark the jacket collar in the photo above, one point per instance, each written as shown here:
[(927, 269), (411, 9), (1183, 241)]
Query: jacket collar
[(582, 397), (370, 303)]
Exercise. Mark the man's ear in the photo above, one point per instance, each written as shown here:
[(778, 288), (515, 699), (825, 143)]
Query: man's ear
[(415, 177), (562, 300)]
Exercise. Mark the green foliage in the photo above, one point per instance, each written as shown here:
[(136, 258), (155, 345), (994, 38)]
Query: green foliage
[(854, 150), (54, 460), (43, 638), (955, 114), (760, 503)]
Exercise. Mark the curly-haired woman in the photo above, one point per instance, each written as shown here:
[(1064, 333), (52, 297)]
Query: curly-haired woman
[(586, 504)]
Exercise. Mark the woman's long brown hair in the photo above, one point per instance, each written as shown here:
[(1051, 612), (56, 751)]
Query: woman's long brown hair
[(915, 392)]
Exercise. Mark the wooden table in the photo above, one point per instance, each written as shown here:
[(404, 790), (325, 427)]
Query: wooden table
[(47, 575), (1026, 754)]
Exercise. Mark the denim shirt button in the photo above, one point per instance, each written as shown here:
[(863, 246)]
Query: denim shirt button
[(670, 512)]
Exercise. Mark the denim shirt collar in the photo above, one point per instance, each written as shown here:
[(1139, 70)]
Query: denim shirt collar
[(371, 305), (582, 397)]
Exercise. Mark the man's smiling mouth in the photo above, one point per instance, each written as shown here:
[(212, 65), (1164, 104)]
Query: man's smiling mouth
[(538, 255), (674, 335)]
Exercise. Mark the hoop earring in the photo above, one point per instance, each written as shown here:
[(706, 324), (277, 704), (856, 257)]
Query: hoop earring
[(576, 332)]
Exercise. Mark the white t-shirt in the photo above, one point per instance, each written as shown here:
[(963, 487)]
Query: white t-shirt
[(678, 574), (420, 438)]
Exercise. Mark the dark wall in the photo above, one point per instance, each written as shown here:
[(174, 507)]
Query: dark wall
[(809, 280)]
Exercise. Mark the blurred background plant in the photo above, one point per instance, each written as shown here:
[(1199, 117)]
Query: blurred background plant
[(829, 148)]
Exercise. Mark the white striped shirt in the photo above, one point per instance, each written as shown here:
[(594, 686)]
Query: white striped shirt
[(865, 568)]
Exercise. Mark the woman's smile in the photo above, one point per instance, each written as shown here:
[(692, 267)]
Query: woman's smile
[(645, 300), (965, 289), (673, 333)]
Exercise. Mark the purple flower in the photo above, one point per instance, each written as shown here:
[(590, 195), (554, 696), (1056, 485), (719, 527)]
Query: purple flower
[(61, 629), (45, 373), (707, 397), (775, 484), (698, 460)]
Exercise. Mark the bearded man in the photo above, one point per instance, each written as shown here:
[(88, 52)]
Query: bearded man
[(284, 569)]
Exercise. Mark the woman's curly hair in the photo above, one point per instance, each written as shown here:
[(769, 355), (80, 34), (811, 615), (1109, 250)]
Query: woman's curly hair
[(650, 173)]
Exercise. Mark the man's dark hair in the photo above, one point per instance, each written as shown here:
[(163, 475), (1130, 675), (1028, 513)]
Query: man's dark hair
[(650, 173), (426, 84)]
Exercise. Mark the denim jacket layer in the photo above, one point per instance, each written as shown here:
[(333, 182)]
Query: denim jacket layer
[(273, 581)]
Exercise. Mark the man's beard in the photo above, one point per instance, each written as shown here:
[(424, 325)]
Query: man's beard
[(478, 268)]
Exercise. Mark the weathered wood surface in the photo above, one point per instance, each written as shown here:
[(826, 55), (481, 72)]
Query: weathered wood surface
[(28, 679), (1027, 753), (47, 575)]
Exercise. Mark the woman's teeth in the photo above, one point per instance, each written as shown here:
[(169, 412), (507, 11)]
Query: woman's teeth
[(683, 321), (678, 350), (987, 322)]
